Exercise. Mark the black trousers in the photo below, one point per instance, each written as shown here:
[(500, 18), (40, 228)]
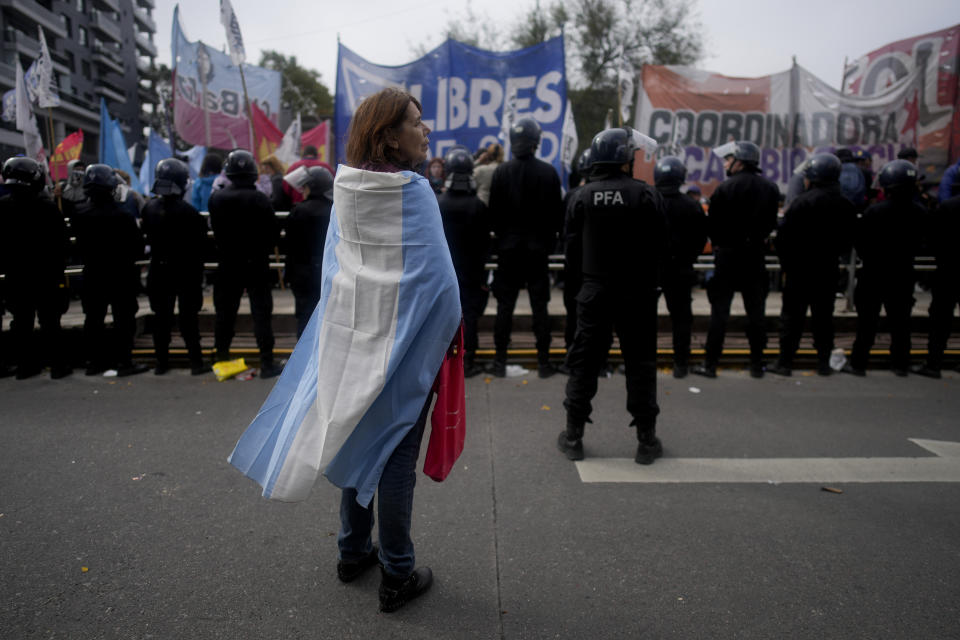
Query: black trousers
[(231, 281), (676, 292), (893, 292), (167, 286), (305, 283), (29, 301), (516, 268), (805, 289), (633, 315), (116, 289), (473, 302), (735, 270), (946, 296), (571, 287)]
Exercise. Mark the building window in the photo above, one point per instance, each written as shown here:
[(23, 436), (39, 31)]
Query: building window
[(71, 62), (81, 36), (82, 6), (66, 25), (85, 67)]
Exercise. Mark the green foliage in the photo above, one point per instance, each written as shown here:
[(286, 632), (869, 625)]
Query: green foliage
[(303, 91)]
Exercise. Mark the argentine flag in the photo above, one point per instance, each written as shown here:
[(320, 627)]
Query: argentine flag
[(365, 365)]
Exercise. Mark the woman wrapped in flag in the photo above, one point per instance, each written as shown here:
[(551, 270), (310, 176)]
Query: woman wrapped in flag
[(354, 397)]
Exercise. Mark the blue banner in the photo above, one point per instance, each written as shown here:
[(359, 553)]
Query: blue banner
[(464, 91), (113, 147)]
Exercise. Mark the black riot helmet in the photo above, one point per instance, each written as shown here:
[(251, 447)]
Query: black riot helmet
[(241, 167), (616, 146), (742, 150), (320, 183), (524, 137), (823, 168), (670, 171), (99, 180), (585, 162), (898, 175), (458, 166), (170, 177), (23, 173)]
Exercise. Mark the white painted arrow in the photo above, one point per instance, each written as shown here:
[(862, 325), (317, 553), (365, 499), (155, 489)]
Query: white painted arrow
[(944, 467)]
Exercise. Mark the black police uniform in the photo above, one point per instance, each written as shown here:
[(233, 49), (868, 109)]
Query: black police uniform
[(619, 228), (466, 226), (527, 214), (888, 238), (945, 230), (817, 229), (33, 244), (743, 212), (687, 226), (109, 243), (306, 228), (245, 231), (177, 235), (572, 278)]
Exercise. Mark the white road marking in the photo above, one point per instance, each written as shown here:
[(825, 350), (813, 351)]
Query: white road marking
[(944, 467)]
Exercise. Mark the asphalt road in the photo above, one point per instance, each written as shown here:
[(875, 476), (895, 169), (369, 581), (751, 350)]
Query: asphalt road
[(120, 518)]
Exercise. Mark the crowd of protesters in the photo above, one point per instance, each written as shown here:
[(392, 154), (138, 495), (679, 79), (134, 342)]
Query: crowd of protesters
[(510, 212)]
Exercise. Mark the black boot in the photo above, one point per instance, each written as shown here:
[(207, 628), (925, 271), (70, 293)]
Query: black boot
[(707, 369), (270, 369), (650, 447), (163, 364), (499, 366), (470, 366), (781, 368), (545, 370), (570, 441), (396, 592), (350, 571)]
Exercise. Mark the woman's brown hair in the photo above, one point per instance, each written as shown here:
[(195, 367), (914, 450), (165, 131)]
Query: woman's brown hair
[(373, 119)]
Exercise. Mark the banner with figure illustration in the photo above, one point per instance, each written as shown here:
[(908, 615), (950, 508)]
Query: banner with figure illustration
[(220, 121), (789, 115), (463, 91)]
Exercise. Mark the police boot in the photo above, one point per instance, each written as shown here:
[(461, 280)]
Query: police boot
[(197, 365), (131, 369), (650, 447), (926, 371), (707, 369), (545, 369), (470, 366), (781, 368), (163, 362), (269, 368), (499, 366), (570, 441)]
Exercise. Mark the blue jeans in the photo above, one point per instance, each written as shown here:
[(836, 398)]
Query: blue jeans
[(394, 506)]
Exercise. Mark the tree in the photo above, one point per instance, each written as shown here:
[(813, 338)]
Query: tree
[(303, 90)]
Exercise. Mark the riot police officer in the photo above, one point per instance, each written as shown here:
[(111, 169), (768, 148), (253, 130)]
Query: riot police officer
[(687, 225), (743, 212), (619, 228), (33, 243), (177, 236), (306, 228), (109, 243), (467, 229), (526, 213), (817, 229), (246, 232), (888, 238)]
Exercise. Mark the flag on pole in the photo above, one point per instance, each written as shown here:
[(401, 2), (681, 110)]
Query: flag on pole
[(27, 122), (157, 150), (68, 150), (569, 140), (234, 39), (46, 93), (10, 106), (113, 148), (194, 158), (318, 137), (625, 87), (506, 120), (268, 136), (289, 150), (357, 382)]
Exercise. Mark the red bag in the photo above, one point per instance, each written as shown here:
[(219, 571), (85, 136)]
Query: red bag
[(448, 427)]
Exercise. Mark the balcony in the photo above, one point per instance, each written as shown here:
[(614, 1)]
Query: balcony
[(106, 26), (147, 4), (143, 19), (147, 95), (110, 94), (21, 43), (107, 62), (34, 12), (143, 66), (144, 45), (109, 5)]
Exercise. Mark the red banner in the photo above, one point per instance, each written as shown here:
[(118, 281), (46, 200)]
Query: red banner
[(66, 151), (267, 134), (318, 137)]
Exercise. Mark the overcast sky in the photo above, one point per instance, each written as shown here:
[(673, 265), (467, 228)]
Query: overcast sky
[(743, 37)]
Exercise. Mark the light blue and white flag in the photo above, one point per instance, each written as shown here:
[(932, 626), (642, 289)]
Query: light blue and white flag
[(365, 365)]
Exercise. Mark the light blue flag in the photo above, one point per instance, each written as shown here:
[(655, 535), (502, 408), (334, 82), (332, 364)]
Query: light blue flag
[(157, 150), (366, 363), (195, 156), (113, 148)]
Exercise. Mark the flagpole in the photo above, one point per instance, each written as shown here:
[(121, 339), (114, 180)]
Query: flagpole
[(246, 102), (203, 71), (53, 148)]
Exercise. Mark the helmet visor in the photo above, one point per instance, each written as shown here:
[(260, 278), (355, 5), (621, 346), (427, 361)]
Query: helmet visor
[(725, 150)]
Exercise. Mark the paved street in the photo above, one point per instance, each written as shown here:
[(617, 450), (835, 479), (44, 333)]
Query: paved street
[(120, 517)]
